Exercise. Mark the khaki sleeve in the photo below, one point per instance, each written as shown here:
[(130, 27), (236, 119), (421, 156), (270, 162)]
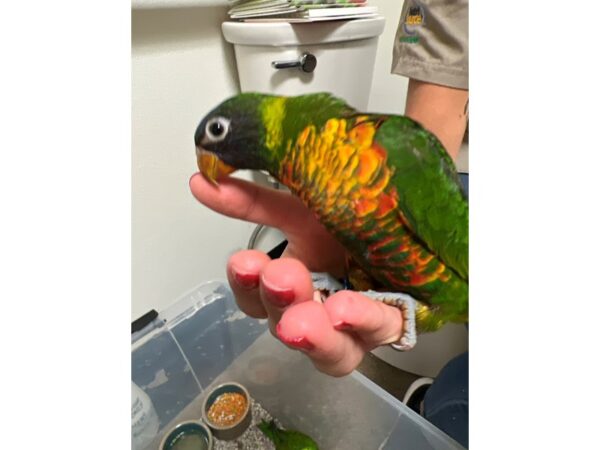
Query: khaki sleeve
[(432, 42)]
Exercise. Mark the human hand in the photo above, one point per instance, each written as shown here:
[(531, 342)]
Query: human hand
[(308, 240), (336, 334)]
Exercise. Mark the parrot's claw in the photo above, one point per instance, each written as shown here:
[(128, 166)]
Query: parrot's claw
[(326, 285), (408, 306)]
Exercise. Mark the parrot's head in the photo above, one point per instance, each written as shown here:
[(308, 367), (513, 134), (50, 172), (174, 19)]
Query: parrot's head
[(249, 131), (233, 136)]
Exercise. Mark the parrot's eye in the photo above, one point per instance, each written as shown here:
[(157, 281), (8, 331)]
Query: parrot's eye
[(217, 128)]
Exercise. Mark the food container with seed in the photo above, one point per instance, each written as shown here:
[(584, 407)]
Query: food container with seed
[(188, 435), (226, 410)]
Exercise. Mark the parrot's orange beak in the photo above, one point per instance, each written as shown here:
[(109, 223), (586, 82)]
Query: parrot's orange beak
[(211, 166)]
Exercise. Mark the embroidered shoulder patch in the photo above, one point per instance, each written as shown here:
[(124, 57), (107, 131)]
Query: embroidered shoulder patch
[(414, 18)]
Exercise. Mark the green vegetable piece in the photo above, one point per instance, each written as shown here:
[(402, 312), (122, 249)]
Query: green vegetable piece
[(287, 439)]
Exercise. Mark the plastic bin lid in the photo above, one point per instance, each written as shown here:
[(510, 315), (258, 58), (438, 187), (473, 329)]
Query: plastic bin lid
[(283, 33)]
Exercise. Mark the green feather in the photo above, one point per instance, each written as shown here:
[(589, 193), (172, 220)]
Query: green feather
[(426, 176)]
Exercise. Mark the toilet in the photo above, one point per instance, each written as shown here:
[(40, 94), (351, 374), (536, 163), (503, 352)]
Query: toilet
[(337, 57)]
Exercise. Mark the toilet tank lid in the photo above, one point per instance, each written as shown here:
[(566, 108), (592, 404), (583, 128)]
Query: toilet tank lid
[(283, 33)]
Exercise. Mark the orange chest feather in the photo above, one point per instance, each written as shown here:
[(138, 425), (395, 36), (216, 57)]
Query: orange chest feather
[(340, 169), (341, 173)]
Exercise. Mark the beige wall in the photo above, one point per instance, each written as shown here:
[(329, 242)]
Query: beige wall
[(180, 69), (388, 92)]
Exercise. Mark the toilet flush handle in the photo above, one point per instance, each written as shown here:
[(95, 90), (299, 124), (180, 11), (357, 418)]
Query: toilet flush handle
[(307, 63)]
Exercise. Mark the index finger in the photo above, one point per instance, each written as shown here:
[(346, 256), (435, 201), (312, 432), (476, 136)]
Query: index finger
[(248, 201)]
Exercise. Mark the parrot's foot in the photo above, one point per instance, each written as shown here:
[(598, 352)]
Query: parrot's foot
[(408, 306), (326, 285)]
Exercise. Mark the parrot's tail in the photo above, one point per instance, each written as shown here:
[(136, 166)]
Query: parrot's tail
[(427, 319), (431, 319)]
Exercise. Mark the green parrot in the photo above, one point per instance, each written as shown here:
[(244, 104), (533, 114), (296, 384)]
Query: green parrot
[(381, 184), (287, 439)]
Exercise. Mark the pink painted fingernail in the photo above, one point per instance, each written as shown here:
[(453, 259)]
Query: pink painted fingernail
[(301, 343), (279, 297), (342, 326), (246, 280)]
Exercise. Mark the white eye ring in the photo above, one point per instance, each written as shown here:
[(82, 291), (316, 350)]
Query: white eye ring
[(216, 129)]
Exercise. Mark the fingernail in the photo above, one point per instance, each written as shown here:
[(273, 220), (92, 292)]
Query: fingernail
[(301, 343), (246, 280), (279, 297), (342, 326)]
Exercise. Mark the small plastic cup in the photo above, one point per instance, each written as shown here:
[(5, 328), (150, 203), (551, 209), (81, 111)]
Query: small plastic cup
[(236, 429), (191, 434)]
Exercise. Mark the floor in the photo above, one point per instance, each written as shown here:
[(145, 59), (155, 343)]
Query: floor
[(391, 379)]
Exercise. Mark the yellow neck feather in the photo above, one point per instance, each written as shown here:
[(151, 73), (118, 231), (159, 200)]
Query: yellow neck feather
[(273, 111)]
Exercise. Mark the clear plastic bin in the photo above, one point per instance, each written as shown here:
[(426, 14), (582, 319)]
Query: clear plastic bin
[(204, 340)]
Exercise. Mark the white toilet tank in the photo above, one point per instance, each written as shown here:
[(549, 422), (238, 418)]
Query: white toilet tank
[(344, 50)]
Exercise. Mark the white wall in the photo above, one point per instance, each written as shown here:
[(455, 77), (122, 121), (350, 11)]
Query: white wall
[(180, 69), (388, 92)]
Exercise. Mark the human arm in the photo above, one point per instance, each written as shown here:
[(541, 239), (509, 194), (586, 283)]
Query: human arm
[(442, 110)]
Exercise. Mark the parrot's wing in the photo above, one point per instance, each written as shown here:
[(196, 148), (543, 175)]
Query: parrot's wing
[(431, 200)]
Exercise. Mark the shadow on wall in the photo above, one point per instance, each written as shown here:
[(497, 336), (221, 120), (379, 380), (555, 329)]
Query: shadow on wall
[(162, 30)]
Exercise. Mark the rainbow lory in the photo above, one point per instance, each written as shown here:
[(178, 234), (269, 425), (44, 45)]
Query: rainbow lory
[(381, 184)]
